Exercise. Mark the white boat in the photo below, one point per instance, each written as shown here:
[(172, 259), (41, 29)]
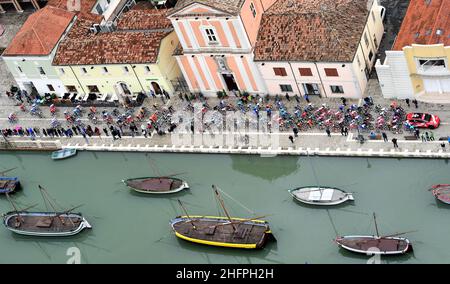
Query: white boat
[(317, 195), (156, 185), (375, 245), (64, 154), (45, 224)]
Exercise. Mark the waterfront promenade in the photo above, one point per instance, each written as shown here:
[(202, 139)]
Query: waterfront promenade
[(314, 142)]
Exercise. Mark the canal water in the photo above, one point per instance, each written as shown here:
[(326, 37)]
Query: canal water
[(134, 228)]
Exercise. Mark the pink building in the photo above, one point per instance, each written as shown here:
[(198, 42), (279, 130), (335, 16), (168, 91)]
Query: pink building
[(217, 40), (319, 47)]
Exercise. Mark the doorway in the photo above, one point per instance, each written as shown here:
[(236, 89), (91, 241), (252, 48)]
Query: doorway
[(125, 89), (156, 88), (230, 82), (311, 89)]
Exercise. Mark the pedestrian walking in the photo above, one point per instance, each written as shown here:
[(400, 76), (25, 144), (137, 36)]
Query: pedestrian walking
[(295, 130), (407, 102), (415, 103), (431, 136), (328, 132), (342, 130), (307, 98), (424, 139), (385, 138), (394, 141), (443, 146), (105, 130), (291, 138), (287, 97), (345, 131), (297, 99), (417, 133), (344, 101), (45, 132), (427, 136)]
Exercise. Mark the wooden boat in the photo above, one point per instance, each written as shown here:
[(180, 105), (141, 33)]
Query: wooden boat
[(9, 184), (226, 231), (45, 224), (156, 185), (375, 245), (371, 245), (441, 192), (64, 154), (222, 232), (319, 195)]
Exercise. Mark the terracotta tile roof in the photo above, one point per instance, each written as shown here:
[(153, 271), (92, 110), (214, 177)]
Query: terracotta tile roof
[(422, 22), (130, 44), (312, 30), (144, 17), (40, 33), (83, 11), (232, 7)]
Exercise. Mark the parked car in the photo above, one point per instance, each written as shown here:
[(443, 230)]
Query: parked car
[(423, 120)]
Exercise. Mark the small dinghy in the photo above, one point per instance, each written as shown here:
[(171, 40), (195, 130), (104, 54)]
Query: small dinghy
[(318, 195), (9, 185), (156, 185), (375, 245), (64, 154), (441, 192), (45, 224), (226, 231)]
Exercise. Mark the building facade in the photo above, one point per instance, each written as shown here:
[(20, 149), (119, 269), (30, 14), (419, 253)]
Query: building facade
[(134, 58), (30, 54), (217, 39), (304, 48), (418, 66)]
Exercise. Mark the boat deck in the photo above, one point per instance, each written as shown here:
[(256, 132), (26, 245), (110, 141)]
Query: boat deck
[(211, 230), (44, 224)]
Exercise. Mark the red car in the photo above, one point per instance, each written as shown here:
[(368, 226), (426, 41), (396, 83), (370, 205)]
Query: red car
[(423, 120)]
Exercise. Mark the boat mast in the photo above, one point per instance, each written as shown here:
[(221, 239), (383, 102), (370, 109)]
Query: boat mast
[(42, 190), (223, 206), (314, 174), (376, 226), (187, 214), (14, 206)]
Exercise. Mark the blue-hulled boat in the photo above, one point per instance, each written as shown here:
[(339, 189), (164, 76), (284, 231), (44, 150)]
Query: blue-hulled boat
[(9, 184)]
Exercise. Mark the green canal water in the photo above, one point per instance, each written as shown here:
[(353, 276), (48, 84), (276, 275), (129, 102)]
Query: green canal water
[(134, 228)]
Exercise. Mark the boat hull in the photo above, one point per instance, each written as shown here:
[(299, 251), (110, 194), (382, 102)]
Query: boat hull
[(64, 154), (130, 183), (9, 185), (441, 192), (372, 245), (260, 239), (8, 219), (321, 196)]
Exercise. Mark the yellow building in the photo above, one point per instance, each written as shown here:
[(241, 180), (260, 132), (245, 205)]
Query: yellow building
[(135, 57), (418, 66)]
